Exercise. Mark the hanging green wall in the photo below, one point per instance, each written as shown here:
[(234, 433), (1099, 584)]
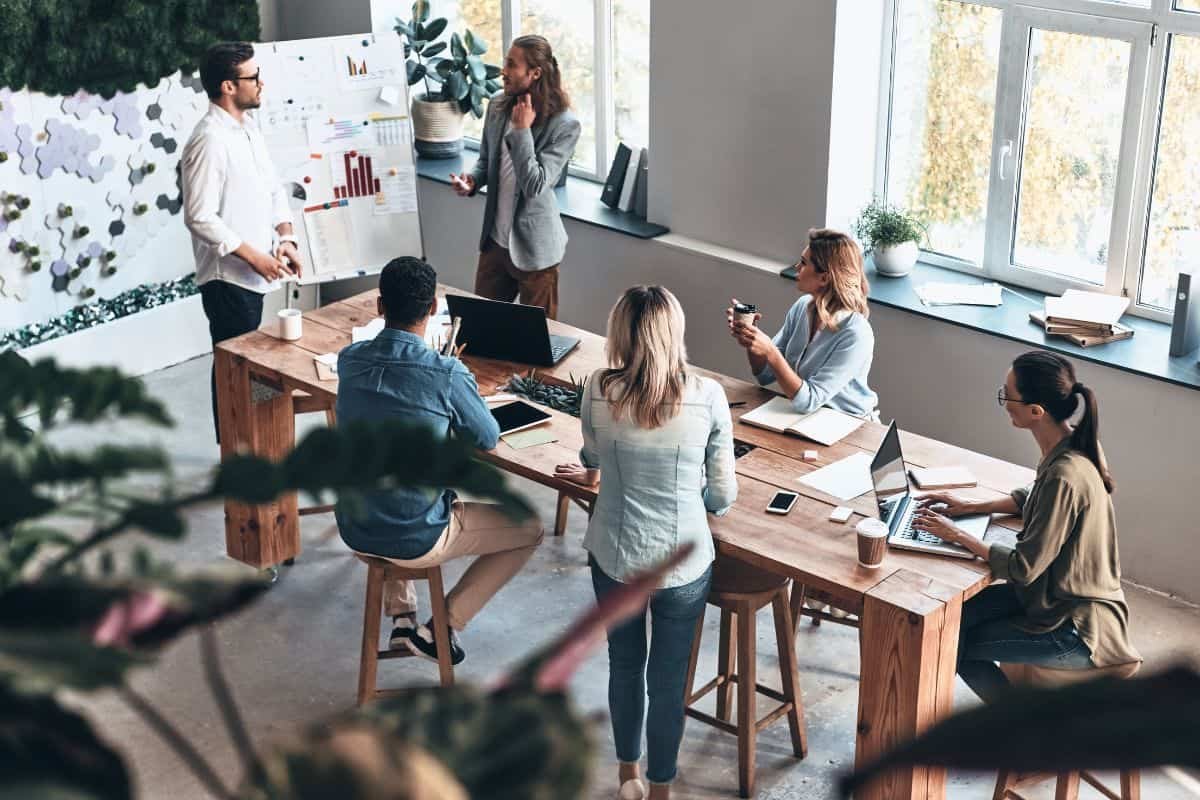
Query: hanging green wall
[(105, 46)]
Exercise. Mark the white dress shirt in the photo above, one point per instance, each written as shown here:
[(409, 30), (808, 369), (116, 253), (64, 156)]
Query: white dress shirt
[(231, 195), (506, 199)]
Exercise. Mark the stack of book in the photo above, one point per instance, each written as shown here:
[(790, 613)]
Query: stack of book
[(1085, 318), (625, 189)]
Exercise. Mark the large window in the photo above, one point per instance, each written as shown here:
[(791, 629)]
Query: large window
[(1050, 143), (602, 48)]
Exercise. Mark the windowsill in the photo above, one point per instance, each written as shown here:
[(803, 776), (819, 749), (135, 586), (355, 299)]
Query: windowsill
[(578, 200), (1145, 354)]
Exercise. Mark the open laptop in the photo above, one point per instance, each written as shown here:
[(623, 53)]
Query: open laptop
[(507, 331), (893, 494)]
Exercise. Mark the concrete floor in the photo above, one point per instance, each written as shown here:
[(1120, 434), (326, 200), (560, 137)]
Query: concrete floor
[(293, 657)]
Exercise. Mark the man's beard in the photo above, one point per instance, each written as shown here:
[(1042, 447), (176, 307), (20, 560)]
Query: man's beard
[(249, 105)]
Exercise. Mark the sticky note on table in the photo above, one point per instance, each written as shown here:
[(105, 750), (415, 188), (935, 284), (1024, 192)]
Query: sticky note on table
[(531, 437), (389, 95)]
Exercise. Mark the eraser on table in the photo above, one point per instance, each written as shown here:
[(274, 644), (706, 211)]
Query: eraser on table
[(810, 455), (841, 513)]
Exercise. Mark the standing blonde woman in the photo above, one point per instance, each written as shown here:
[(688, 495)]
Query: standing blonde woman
[(662, 438), (822, 354)]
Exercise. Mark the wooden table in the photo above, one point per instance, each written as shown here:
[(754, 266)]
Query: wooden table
[(910, 607)]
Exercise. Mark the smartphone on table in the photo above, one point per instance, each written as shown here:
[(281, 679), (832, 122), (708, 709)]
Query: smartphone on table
[(782, 502)]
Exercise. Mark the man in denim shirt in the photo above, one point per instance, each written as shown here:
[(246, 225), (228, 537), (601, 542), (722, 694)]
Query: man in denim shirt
[(396, 375)]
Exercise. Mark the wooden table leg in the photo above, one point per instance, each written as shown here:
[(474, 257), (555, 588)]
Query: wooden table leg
[(267, 534), (909, 643)]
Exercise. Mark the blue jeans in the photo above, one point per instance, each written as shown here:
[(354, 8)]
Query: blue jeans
[(674, 613), (991, 632)]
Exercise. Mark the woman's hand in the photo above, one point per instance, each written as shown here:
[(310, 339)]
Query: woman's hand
[(953, 506), (931, 522), (577, 473), (757, 343)]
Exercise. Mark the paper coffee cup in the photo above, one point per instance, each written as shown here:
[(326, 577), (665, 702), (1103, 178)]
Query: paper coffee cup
[(872, 542), (744, 313), (289, 323)]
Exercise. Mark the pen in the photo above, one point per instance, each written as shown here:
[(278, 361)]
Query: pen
[(738, 403)]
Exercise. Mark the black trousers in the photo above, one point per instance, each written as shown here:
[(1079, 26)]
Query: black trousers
[(231, 311)]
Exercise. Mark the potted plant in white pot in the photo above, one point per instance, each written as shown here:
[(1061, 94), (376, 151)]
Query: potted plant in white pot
[(454, 85), (891, 235)]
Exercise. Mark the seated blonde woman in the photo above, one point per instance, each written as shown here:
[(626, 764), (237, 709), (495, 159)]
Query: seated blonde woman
[(662, 438), (822, 354)]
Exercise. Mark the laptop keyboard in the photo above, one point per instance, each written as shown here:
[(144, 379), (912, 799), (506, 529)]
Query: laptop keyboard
[(913, 535), (557, 351)]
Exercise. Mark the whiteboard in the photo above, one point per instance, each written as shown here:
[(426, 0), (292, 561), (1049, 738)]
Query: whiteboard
[(335, 120)]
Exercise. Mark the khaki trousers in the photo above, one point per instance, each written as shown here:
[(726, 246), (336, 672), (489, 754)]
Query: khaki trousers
[(498, 278), (502, 544)]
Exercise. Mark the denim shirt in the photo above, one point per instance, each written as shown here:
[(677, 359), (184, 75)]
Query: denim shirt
[(656, 485), (398, 376), (834, 365)]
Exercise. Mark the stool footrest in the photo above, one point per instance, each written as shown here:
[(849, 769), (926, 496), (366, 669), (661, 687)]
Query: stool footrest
[(708, 719), (385, 655), (1095, 783), (325, 509)]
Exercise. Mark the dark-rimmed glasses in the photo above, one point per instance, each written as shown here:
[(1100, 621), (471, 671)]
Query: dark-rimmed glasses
[(256, 77), (1002, 398)]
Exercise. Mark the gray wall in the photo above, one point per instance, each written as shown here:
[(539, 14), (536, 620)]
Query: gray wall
[(310, 19), (739, 120)]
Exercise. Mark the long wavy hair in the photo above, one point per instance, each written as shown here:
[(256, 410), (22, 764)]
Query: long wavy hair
[(647, 359), (547, 92), (1048, 380), (837, 255)]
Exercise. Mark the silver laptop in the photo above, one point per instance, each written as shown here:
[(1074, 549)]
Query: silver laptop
[(893, 495)]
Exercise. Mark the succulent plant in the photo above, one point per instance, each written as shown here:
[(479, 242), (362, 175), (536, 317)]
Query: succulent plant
[(560, 398)]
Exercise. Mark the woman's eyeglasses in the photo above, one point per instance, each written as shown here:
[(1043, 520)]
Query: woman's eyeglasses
[(1002, 398)]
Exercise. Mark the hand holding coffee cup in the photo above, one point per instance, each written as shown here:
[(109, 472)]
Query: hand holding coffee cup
[(872, 542), (745, 314)]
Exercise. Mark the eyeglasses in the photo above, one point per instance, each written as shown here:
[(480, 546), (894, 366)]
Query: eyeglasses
[(1002, 398), (256, 77)]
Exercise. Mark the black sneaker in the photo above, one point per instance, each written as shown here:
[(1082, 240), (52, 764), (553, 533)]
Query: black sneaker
[(421, 642), (402, 628)]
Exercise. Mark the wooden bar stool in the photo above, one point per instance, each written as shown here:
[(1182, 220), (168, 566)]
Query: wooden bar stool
[(564, 505), (800, 593), (740, 590), (1067, 786), (378, 571), (303, 403)]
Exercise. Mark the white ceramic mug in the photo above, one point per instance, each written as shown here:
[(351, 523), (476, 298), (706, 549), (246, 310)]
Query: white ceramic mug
[(289, 323)]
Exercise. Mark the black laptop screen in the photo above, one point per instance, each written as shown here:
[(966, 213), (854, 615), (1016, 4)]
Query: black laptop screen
[(888, 473)]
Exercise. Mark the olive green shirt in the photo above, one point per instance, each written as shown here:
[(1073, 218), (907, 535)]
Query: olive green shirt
[(1065, 565)]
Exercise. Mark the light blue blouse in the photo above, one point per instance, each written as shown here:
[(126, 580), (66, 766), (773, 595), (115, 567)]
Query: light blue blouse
[(657, 485), (834, 365)]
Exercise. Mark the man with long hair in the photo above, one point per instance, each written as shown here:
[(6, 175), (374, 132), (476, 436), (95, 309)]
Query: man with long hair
[(528, 137)]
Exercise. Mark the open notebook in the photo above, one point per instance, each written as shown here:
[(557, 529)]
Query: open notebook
[(824, 426)]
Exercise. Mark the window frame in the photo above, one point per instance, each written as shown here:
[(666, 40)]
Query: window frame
[(1159, 23), (602, 68)]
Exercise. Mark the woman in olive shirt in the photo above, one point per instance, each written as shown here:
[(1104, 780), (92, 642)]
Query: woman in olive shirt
[(1062, 605)]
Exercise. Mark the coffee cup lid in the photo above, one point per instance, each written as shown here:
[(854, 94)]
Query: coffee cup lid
[(869, 526)]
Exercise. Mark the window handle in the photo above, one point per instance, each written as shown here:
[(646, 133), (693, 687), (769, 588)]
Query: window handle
[(1006, 151)]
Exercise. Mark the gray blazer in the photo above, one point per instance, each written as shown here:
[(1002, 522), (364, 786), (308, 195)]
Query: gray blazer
[(539, 156)]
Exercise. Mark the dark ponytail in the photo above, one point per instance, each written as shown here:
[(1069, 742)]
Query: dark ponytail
[(1048, 380)]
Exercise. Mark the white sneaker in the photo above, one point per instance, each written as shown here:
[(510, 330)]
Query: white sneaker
[(633, 789)]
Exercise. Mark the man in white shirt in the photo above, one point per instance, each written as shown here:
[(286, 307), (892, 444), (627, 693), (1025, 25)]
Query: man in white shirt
[(234, 204)]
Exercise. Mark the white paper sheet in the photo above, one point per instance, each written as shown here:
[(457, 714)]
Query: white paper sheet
[(330, 237), (367, 332), (397, 191), (845, 479), (338, 134), (960, 294)]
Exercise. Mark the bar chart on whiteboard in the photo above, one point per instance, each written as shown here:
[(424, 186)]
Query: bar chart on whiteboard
[(341, 141)]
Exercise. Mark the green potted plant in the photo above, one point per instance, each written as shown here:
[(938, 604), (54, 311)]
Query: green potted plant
[(891, 235), (455, 85)]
